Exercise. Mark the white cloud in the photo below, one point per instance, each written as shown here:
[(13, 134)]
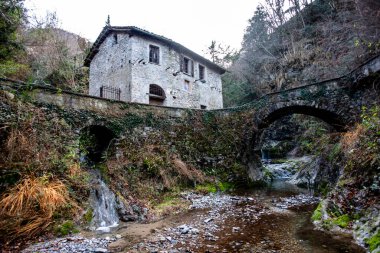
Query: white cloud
[(193, 23)]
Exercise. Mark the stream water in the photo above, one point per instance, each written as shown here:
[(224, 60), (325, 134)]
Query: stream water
[(103, 204), (267, 220), (276, 218)]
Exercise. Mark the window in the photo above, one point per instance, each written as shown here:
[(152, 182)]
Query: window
[(201, 72), (154, 54), (157, 91), (110, 92), (187, 86), (114, 39), (156, 95), (187, 66)]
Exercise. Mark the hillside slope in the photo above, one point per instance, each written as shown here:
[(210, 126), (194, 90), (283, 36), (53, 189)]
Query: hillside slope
[(327, 39)]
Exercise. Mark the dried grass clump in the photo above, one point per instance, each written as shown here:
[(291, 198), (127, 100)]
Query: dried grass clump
[(27, 209), (351, 139), (188, 171), (20, 144)]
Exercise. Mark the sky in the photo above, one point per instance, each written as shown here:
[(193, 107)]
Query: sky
[(193, 23)]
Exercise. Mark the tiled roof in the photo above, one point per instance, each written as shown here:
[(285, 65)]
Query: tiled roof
[(107, 30)]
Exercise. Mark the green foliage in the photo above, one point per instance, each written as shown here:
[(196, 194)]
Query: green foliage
[(258, 30), (214, 187), (323, 188), (327, 224), (363, 142), (371, 119), (103, 169), (336, 150), (65, 228), (374, 241), (317, 214), (342, 221), (221, 54), (131, 120), (10, 68), (225, 186), (236, 90), (168, 202), (151, 165), (12, 13), (268, 175), (206, 188), (88, 216)]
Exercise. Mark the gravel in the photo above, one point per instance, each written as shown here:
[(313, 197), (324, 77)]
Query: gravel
[(72, 244)]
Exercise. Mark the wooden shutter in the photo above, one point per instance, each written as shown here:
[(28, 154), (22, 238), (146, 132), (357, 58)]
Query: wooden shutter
[(192, 67), (150, 54), (181, 63)]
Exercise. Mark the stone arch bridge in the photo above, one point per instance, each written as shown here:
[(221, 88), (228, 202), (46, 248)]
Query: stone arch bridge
[(337, 101)]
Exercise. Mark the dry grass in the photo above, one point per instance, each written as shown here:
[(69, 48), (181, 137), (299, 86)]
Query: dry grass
[(28, 208), (352, 138), (20, 144), (188, 171)]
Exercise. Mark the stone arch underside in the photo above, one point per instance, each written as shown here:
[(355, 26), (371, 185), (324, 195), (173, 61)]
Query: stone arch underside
[(96, 139), (331, 118)]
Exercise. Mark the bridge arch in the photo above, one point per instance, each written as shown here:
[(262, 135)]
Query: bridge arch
[(330, 117), (274, 113), (94, 141)]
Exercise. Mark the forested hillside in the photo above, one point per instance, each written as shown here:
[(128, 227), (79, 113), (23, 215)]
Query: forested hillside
[(36, 50), (292, 43)]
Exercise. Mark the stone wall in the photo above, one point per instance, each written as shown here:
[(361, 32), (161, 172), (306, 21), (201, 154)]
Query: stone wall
[(111, 67), (202, 139), (220, 137)]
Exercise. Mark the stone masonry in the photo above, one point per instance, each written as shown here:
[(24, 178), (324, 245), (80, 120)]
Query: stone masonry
[(121, 58)]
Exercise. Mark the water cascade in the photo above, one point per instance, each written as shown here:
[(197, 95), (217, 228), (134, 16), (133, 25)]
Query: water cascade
[(103, 203), (95, 142)]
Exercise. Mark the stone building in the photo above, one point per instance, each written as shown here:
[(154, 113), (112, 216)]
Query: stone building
[(134, 65)]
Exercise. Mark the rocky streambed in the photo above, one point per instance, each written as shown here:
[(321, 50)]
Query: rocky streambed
[(271, 219)]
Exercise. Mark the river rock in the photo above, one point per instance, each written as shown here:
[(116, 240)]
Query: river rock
[(100, 250)]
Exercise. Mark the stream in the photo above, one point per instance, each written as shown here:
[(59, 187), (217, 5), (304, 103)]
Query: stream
[(271, 219)]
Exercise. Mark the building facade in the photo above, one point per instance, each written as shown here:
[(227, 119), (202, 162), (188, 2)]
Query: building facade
[(134, 65)]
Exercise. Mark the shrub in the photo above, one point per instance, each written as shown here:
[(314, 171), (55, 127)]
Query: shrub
[(342, 221), (374, 241), (28, 208), (206, 188), (88, 216), (66, 228), (317, 215)]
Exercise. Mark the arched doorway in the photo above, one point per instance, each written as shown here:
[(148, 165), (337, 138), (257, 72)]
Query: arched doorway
[(156, 95)]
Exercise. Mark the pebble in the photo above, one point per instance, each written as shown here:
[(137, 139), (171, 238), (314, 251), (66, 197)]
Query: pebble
[(186, 237), (71, 244), (100, 250)]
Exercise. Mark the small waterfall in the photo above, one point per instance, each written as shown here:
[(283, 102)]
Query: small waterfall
[(103, 202), (264, 155)]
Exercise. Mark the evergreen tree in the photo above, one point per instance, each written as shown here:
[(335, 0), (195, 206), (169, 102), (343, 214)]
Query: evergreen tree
[(257, 32), (11, 16), (108, 21)]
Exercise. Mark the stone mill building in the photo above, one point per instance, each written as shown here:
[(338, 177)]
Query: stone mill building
[(133, 65)]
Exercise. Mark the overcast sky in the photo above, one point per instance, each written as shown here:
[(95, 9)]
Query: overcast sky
[(193, 23)]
